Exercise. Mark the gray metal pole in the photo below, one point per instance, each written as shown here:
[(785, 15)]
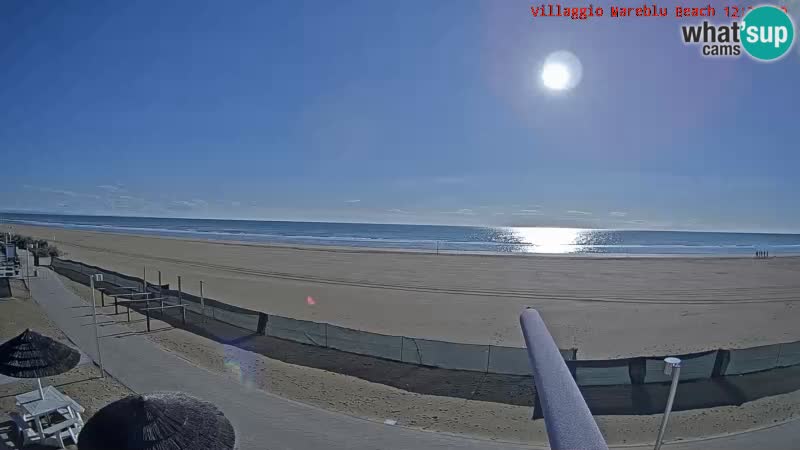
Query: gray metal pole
[(673, 365), (96, 334), (569, 422)]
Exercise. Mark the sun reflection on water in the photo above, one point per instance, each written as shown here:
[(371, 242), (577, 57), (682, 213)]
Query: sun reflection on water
[(549, 240)]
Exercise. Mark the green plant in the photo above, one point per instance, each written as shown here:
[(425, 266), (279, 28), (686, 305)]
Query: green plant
[(23, 241)]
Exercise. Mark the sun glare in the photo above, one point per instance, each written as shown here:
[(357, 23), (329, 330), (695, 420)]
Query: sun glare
[(555, 76), (548, 240), (561, 71)]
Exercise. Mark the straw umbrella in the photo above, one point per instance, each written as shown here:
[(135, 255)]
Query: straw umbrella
[(31, 355), (158, 421)]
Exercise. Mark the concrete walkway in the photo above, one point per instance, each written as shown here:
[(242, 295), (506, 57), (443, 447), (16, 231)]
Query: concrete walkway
[(266, 421), (784, 436), (262, 421)]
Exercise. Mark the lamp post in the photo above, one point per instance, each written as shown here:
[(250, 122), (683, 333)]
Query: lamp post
[(92, 278), (671, 366)]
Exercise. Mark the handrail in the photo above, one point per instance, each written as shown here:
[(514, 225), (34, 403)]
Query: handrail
[(569, 422)]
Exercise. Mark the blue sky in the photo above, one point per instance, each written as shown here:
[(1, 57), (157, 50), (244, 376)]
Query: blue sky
[(399, 112)]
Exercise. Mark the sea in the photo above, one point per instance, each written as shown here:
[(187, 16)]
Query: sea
[(434, 238)]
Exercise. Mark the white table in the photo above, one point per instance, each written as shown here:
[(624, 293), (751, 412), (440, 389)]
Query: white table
[(34, 407)]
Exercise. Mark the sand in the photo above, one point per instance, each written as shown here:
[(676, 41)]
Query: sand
[(82, 383), (488, 420), (605, 307)]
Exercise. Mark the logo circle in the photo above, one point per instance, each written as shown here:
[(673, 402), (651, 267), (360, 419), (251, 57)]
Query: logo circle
[(767, 33)]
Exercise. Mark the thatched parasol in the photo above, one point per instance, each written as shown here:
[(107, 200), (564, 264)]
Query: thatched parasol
[(158, 421), (31, 355)]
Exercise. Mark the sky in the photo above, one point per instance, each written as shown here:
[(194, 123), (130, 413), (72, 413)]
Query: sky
[(396, 112)]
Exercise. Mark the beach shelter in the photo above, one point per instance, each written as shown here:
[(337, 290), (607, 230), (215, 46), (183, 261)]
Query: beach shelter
[(31, 355), (158, 421)]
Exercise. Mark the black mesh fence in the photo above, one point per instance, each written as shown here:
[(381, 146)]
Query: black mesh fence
[(229, 323)]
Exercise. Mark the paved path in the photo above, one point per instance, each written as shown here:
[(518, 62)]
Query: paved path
[(266, 421), (785, 436), (262, 421)]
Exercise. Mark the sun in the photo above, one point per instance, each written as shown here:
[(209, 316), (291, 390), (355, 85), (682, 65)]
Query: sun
[(561, 71), (555, 76)]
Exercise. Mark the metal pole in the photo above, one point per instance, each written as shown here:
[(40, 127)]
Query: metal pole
[(147, 311), (672, 365), (180, 292), (96, 335), (202, 302), (144, 279), (568, 421)]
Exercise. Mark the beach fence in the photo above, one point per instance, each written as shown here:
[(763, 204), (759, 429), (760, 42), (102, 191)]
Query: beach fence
[(228, 323)]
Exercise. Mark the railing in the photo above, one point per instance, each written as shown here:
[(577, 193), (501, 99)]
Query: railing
[(569, 422)]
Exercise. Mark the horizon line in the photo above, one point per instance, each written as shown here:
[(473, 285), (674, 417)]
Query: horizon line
[(396, 224)]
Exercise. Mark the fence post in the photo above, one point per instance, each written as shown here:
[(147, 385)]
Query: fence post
[(721, 363), (202, 303), (103, 297), (129, 312), (180, 292), (144, 278), (262, 323), (184, 316), (637, 369), (116, 307), (147, 314), (159, 284)]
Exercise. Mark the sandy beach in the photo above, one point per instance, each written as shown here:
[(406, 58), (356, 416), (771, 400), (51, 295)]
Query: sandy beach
[(605, 307)]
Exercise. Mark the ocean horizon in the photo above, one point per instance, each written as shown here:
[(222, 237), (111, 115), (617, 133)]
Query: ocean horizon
[(534, 240)]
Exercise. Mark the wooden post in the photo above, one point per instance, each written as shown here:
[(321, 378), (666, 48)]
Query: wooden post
[(116, 308), (202, 303), (147, 314), (144, 278), (180, 292), (129, 312), (103, 297), (159, 283), (184, 315)]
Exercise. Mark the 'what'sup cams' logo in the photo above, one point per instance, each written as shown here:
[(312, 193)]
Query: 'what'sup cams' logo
[(766, 33)]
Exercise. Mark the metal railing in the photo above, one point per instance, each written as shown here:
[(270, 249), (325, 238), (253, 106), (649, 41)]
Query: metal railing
[(569, 422)]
